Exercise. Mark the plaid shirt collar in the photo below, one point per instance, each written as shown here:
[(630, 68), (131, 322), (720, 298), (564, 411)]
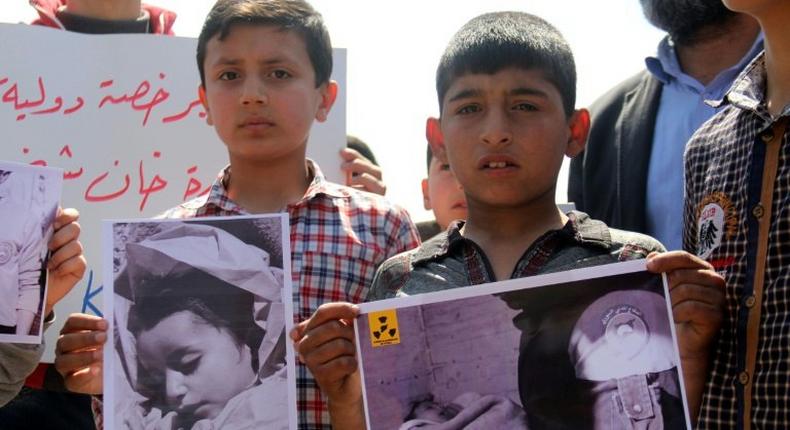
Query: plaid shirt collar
[(218, 196), (748, 92)]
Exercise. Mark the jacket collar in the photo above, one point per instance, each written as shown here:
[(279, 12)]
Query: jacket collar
[(580, 229)]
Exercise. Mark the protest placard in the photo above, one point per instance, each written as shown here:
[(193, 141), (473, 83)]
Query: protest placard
[(588, 348), (198, 314), (120, 114), (29, 197)]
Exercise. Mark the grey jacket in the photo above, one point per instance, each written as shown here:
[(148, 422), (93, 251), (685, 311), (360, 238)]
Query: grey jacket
[(16, 363), (441, 263)]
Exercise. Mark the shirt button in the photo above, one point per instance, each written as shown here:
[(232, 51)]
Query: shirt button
[(767, 136), (758, 211), (750, 301), (743, 378)]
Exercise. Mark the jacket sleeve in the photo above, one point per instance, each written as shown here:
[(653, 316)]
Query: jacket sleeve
[(16, 363)]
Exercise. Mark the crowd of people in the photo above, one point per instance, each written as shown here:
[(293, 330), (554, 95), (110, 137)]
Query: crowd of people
[(684, 165)]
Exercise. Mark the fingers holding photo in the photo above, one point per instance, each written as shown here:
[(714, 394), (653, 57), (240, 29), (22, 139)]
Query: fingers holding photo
[(78, 353)]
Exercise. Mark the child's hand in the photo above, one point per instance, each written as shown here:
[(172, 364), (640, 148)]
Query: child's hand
[(698, 302), (66, 264), (361, 173), (696, 292), (78, 354), (325, 344)]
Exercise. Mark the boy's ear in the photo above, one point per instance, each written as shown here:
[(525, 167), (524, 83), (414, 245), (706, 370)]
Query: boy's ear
[(579, 125), (204, 102), (328, 97), (433, 133), (426, 198)]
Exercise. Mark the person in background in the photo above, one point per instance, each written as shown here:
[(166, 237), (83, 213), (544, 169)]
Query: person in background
[(630, 175), (104, 16), (441, 192), (361, 168)]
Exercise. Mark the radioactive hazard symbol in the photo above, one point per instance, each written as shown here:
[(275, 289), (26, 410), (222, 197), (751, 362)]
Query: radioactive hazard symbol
[(384, 328)]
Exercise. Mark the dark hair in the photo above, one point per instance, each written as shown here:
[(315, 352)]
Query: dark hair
[(360, 146), (293, 15), (217, 302), (495, 41)]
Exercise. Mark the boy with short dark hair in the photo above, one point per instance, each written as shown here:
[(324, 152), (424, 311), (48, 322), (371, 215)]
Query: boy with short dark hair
[(736, 217), (265, 67), (506, 87)]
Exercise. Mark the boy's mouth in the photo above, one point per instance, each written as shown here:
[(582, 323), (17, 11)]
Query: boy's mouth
[(496, 162), (256, 122)]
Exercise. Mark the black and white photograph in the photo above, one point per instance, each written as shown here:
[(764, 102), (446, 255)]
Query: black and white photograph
[(590, 348), (199, 324), (29, 198)]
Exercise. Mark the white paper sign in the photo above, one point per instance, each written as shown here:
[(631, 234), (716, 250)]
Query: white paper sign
[(199, 310), (29, 197), (578, 349), (119, 113)]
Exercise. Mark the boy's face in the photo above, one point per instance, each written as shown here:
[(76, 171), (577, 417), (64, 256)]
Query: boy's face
[(198, 367), (260, 92), (442, 194), (505, 136)]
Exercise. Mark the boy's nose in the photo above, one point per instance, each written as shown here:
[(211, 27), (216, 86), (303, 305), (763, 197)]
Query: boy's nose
[(495, 129), (174, 387), (254, 92)]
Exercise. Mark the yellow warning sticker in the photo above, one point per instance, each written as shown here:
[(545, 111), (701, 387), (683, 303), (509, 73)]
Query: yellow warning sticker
[(384, 328)]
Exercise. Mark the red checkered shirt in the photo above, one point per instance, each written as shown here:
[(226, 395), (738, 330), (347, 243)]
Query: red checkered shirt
[(339, 237)]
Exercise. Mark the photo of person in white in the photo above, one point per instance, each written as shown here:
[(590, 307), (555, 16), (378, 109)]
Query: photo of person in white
[(27, 212), (201, 343)]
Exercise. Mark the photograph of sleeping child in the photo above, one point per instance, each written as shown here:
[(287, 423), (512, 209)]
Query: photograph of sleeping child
[(582, 350), (29, 198), (199, 325)]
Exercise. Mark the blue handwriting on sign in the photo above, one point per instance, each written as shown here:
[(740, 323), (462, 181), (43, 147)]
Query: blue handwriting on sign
[(89, 295)]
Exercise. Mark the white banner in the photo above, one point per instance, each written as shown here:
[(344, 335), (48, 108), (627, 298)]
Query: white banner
[(120, 114)]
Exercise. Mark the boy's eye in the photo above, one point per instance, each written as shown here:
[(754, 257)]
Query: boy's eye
[(188, 364), (525, 107), (228, 76), (280, 74), (467, 109)]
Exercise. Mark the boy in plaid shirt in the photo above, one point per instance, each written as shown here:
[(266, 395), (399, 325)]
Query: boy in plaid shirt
[(265, 68), (736, 218)]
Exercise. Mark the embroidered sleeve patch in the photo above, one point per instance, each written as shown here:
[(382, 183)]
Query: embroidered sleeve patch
[(716, 218)]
